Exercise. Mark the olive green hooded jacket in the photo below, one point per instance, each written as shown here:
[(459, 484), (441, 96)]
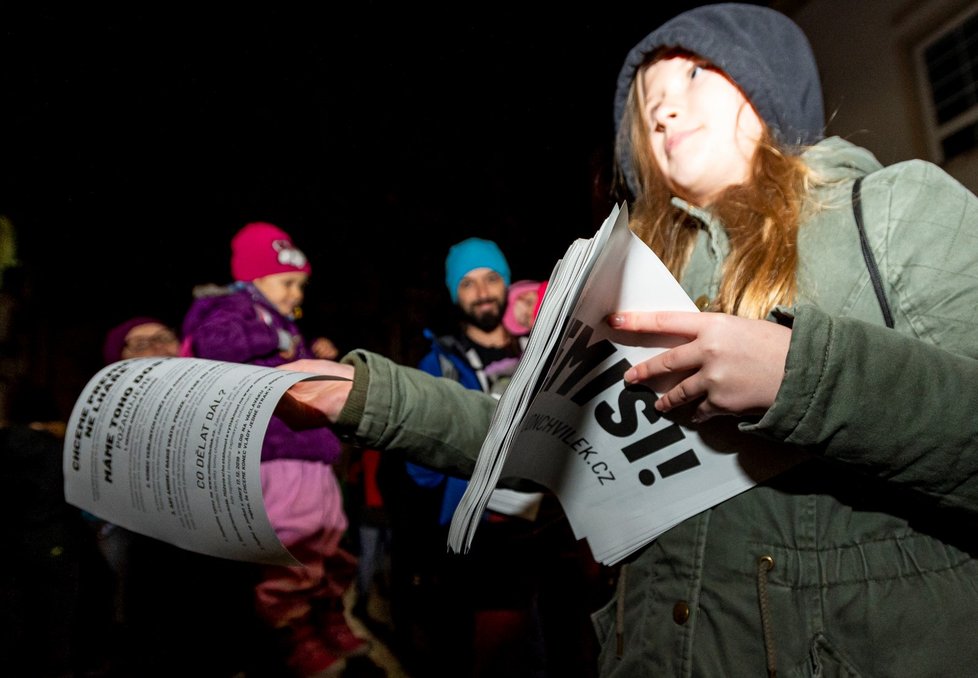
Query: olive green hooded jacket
[(858, 562)]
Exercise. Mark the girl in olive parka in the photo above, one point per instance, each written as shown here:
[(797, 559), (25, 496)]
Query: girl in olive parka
[(859, 561)]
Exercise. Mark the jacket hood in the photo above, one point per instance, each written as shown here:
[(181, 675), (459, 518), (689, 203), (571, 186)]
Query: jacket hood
[(207, 298), (835, 159), (763, 51), (446, 345)]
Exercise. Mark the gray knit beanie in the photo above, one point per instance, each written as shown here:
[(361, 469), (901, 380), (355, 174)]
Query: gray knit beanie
[(760, 49)]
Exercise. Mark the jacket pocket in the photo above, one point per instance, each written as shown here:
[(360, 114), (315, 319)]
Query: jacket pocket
[(824, 661), (603, 621)]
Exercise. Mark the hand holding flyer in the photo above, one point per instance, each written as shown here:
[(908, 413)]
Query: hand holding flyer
[(623, 472)]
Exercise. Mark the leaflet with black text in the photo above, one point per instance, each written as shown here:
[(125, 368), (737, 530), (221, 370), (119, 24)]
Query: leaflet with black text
[(623, 472), (170, 448)]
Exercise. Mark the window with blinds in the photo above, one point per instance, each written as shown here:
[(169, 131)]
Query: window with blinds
[(948, 63)]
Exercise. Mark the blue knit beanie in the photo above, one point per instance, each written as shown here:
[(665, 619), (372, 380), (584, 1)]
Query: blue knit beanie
[(471, 254)]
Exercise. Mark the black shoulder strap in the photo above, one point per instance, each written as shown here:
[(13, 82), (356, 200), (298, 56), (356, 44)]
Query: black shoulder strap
[(874, 272)]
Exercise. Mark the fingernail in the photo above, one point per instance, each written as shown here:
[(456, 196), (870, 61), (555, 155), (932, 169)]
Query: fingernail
[(616, 320), (630, 375)]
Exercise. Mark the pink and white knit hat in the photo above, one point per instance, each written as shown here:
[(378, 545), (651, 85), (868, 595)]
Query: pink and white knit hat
[(261, 249)]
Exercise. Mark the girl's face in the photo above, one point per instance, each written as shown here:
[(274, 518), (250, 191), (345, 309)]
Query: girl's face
[(702, 129), (284, 290)]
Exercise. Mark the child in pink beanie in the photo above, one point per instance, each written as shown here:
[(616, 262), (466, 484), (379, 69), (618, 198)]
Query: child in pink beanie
[(523, 302), (254, 321)]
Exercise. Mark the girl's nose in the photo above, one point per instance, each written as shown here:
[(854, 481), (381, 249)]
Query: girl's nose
[(666, 112)]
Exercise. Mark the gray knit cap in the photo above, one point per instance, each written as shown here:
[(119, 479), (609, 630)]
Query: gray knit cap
[(760, 49)]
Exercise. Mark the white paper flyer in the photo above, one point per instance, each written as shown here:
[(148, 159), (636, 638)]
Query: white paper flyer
[(170, 448)]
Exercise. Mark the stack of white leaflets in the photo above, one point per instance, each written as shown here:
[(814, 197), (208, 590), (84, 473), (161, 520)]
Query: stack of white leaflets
[(623, 473)]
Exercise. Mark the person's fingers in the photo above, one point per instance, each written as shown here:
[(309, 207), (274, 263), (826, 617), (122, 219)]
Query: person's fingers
[(675, 397), (677, 323), (324, 348), (682, 358), (728, 365)]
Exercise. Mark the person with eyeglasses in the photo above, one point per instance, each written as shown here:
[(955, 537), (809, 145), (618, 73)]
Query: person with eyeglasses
[(155, 586), (136, 337), (140, 337)]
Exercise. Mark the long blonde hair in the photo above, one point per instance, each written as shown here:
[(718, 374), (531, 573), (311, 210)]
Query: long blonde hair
[(760, 217)]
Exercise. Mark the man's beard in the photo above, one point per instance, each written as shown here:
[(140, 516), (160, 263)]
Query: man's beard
[(488, 320)]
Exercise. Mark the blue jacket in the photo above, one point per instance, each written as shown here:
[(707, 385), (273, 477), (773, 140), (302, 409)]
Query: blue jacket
[(446, 359)]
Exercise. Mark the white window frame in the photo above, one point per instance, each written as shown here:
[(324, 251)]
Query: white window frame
[(936, 133)]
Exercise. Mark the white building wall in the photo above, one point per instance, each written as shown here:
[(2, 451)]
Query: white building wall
[(865, 51)]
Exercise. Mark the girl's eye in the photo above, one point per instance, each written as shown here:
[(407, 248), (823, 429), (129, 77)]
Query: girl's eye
[(694, 71)]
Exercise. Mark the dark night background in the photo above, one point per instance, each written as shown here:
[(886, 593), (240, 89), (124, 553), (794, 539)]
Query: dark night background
[(137, 141)]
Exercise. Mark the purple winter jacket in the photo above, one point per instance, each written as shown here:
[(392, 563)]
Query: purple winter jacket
[(239, 325)]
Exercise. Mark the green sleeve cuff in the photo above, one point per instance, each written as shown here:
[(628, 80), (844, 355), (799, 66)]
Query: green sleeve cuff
[(353, 411)]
